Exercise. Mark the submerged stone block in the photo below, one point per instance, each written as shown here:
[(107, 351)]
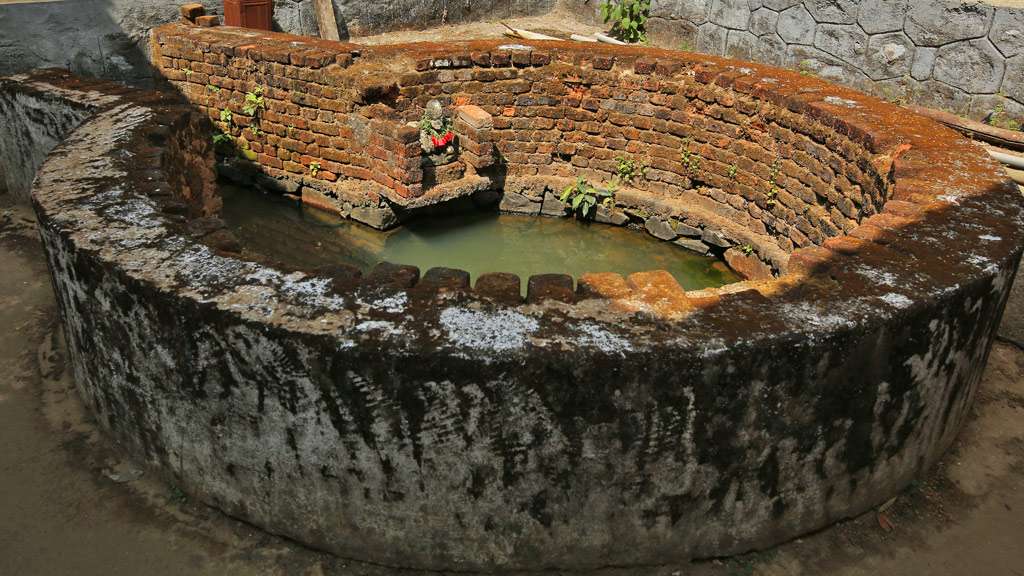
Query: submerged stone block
[(499, 286), (660, 228), (542, 287), (441, 279), (660, 293), (748, 266), (606, 285)]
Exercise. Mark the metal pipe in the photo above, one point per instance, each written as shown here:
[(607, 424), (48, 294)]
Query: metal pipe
[(1011, 160)]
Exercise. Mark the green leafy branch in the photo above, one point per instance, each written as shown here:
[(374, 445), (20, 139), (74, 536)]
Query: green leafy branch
[(628, 18)]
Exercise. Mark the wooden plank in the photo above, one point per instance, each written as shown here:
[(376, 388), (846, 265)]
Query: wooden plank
[(1012, 139), (325, 19)]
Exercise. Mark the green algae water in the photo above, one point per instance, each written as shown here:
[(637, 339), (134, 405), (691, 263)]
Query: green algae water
[(478, 242)]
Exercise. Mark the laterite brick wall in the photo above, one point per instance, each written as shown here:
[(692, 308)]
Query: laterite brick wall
[(734, 153)]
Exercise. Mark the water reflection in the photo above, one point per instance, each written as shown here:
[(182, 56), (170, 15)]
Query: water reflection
[(477, 242)]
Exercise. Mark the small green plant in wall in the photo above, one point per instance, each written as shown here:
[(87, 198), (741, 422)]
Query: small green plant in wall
[(253, 102), (747, 249), (314, 169), (628, 18), (732, 172), (691, 159), (773, 186), (212, 88), (628, 169), (223, 139), (1000, 119), (583, 198)]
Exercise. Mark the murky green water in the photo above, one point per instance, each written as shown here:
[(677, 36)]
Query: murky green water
[(477, 242)]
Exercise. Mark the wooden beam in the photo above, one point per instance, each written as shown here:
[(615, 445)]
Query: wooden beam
[(325, 20), (1011, 139)]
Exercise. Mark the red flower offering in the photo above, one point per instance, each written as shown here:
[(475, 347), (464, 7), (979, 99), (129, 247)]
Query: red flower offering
[(443, 140)]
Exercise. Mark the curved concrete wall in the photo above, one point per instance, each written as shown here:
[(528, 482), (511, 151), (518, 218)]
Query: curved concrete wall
[(36, 115), (418, 422)]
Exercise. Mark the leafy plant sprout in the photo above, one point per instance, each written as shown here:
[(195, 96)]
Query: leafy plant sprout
[(1001, 119), (253, 102), (773, 188), (314, 169), (583, 198), (691, 160), (223, 138), (628, 169), (628, 18)]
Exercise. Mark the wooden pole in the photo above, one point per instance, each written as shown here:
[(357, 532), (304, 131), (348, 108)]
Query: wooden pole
[(1012, 139), (325, 20)]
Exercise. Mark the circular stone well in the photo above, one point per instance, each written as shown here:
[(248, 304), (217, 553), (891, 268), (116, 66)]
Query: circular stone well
[(416, 421)]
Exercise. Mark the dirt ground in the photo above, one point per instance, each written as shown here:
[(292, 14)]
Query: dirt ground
[(559, 23), (70, 504)]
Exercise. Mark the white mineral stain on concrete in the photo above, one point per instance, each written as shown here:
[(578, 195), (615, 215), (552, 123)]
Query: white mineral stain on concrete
[(499, 331), (896, 300), (878, 276), (803, 315), (600, 338), (394, 304), (378, 326)]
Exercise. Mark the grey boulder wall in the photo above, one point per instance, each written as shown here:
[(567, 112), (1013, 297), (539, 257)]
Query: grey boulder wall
[(383, 418), (959, 55)]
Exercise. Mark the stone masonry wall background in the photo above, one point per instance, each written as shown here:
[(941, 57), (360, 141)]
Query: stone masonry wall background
[(964, 56)]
